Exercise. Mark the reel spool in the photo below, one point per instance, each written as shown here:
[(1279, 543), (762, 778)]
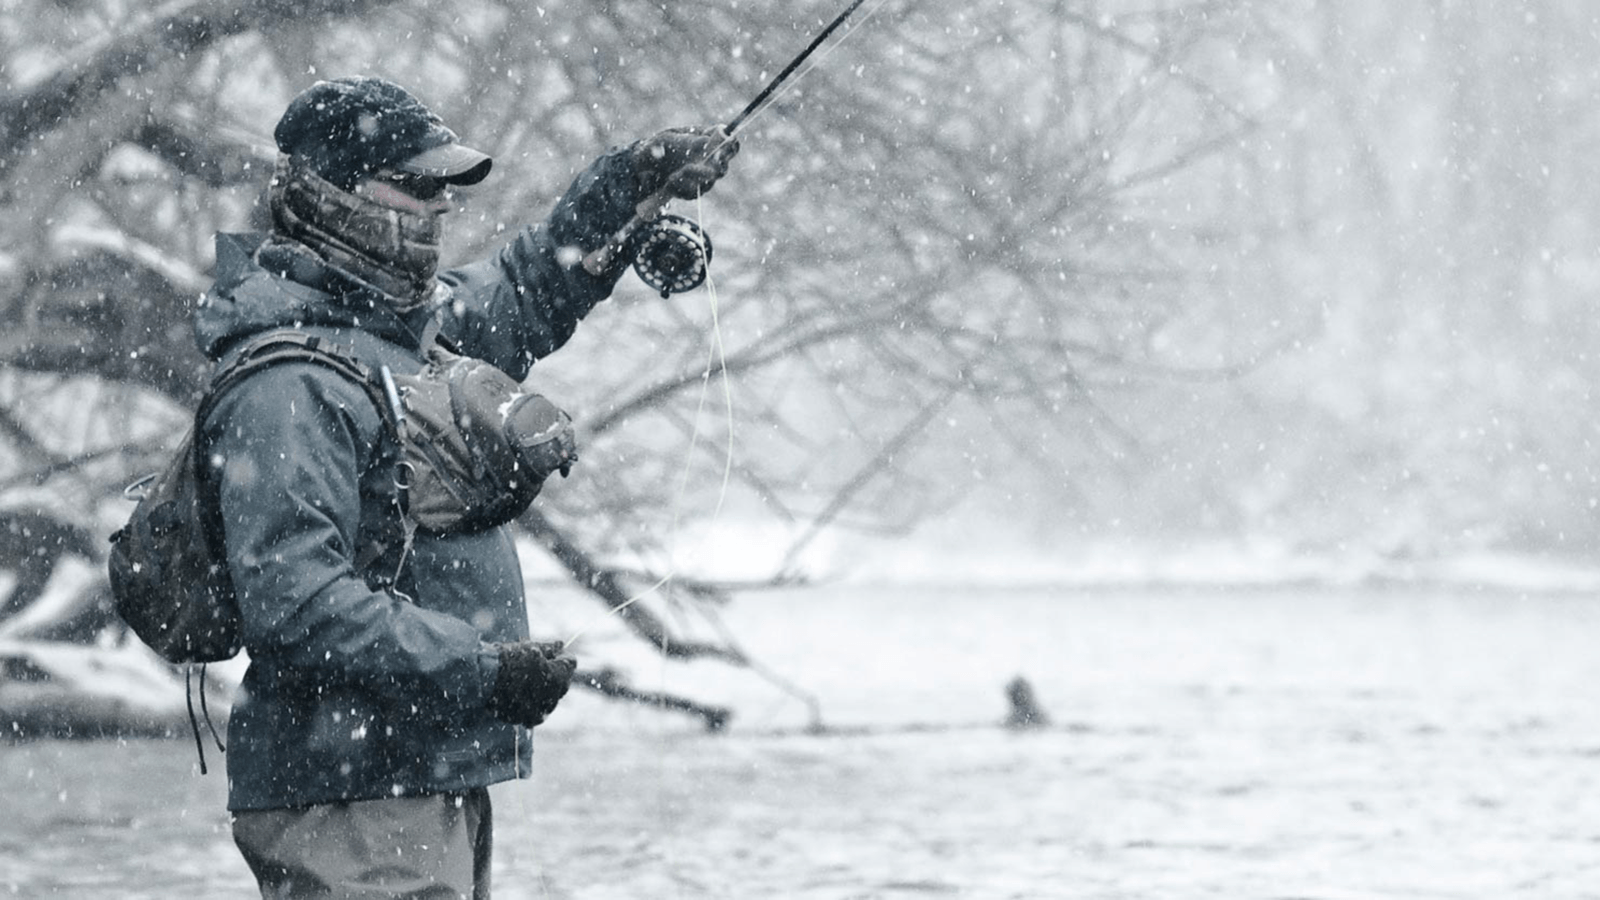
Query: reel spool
[(673, 255)]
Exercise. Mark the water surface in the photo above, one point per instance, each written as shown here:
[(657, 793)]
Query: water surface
[(1269, 744)]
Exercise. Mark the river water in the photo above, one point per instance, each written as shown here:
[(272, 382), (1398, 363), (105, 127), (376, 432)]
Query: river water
[(1266, 744)]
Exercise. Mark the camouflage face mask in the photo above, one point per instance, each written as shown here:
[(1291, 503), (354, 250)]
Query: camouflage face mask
[(393, 251)]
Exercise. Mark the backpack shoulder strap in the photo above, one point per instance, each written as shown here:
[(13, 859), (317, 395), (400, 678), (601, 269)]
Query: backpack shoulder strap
[(286, 345)]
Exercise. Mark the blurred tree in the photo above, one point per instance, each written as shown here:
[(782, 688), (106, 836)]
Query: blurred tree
[(961, 254), (1428, 200)]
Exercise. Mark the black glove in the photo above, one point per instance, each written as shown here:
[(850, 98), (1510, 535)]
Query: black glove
[(533, 678), (684, 161)]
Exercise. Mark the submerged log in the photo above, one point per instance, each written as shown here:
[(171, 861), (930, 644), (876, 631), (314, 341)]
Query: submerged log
[(1025, 709), (610, 683)]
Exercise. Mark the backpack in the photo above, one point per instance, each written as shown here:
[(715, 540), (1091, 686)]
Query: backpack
[(168, 569), (475, 450)]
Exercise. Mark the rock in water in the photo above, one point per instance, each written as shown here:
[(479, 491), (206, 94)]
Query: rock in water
[(1025, 709)]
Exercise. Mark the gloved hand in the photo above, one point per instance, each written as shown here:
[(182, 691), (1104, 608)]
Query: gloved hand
[(685, 161), (533, 678)]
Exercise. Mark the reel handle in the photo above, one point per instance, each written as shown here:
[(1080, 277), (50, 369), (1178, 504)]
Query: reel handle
[(597, 261)]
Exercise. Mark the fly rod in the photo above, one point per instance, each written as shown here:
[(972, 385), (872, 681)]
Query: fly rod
[(733, 127), (650, 208)]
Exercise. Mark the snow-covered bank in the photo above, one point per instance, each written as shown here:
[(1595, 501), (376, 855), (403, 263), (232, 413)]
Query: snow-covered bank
[(59, 688), (982, 554), (1221, 565)]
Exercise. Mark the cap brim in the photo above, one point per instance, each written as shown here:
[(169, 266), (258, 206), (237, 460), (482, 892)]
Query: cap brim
[(454, 163)]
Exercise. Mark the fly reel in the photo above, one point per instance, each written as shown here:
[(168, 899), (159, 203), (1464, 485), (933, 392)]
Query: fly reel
[(673, 255)]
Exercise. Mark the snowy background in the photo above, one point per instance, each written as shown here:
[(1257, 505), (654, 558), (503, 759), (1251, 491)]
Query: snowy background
[(1226, 370)]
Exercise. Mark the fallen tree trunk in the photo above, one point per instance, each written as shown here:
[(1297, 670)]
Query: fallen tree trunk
[(610, 683)]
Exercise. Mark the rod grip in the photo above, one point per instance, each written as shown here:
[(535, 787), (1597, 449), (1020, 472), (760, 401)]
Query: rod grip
[(598, 261)]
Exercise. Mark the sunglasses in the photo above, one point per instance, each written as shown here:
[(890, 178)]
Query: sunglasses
[(422, 187)]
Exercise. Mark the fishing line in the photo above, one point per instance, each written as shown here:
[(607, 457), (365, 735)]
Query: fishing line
[(717, 355), (716, 361), (597, 261), (799, 58), (772, 93), (716, 364), (649, 210)]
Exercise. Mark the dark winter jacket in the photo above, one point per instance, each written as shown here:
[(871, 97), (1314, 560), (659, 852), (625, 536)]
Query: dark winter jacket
[(352, 691)]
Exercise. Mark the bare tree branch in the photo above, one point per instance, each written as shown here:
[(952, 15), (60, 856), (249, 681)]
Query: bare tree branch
[(610, 683), (177, 29), (605, 583)]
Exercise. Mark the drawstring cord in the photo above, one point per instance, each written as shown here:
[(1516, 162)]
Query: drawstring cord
[(194, 722)]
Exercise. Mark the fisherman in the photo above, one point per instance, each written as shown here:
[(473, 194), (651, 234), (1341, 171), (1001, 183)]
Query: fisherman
[(387, 690)]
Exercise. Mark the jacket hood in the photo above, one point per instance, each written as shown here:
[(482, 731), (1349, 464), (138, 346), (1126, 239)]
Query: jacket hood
[(264, 283)]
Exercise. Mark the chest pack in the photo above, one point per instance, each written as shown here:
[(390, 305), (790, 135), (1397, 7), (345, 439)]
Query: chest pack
[(474, 451)]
